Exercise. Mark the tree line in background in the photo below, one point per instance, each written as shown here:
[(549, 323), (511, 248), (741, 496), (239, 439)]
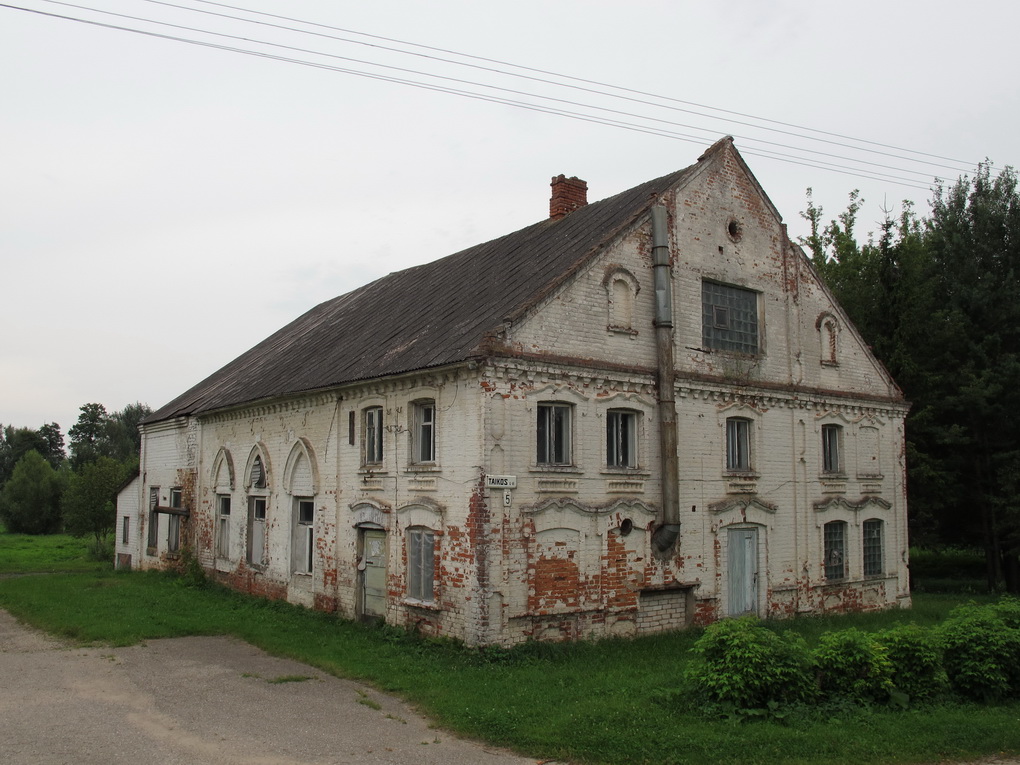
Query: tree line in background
[(43, 491), (938, 300)]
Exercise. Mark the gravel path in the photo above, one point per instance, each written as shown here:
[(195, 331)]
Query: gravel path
[(202, 701)]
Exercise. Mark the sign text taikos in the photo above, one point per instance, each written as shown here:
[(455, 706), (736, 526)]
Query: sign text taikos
[(500, 482)]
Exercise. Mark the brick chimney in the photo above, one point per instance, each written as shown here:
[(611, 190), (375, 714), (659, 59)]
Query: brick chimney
[(567, 195)]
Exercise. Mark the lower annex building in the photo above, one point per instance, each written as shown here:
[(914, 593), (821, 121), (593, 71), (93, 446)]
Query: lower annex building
[(635, 415)]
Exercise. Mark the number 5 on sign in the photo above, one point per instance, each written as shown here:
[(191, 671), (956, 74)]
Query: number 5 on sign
[(506, 497)]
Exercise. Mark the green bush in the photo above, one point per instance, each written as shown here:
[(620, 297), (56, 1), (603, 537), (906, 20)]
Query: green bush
[(746, 666), (1008, 609), (852, 664), (982, 651), (916, 660)]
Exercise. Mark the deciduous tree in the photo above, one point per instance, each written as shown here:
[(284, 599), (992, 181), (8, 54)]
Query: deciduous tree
[(30, 500)]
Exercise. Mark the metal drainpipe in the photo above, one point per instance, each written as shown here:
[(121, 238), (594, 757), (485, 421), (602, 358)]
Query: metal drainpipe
[(666, 533)]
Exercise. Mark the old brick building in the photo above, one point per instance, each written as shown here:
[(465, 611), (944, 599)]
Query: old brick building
[(637, 414)]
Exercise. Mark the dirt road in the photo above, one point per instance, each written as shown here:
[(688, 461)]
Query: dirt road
[(202, 701)]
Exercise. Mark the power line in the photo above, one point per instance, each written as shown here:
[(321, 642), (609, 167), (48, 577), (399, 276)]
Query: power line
[(512, 102), (571, 78), (612, 121)]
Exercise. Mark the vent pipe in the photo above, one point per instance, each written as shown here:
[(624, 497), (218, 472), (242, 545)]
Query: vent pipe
[(668, 529)]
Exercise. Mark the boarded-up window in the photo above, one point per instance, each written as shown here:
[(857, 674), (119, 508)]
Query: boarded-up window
[(868, 462)]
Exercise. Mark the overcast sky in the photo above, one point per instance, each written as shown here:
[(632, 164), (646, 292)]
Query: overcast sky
[(164, 205)]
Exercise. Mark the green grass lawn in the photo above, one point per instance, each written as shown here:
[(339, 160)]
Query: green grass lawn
[(25, 553), (611, 701)]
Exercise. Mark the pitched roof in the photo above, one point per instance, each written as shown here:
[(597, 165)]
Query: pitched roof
[(427, 316)]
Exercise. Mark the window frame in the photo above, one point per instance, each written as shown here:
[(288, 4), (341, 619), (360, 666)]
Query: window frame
[(554, 434), (730, 319), (152, 535), (739, 442), (832, 449), (257, 502), (303, 541), (622, 438), (223, 526), (372, 436), (873, 547), (834, 550), (125, 534), (420, 544), (423, 432)]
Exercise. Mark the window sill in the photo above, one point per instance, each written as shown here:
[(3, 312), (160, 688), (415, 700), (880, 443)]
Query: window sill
[(422, 604), (554, 469), (636, 472), (836, 582), (733, 354), (372, 470), (741, 475), (423, 467)]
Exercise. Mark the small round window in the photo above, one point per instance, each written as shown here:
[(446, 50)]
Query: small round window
[(734, 230)]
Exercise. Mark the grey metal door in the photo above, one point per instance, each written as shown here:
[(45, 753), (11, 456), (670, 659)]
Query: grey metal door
[(742, 549), (373, 573)]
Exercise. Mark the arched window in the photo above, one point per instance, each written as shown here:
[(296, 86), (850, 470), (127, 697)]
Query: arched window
[(301, 482), (828, 339), (258, 505)]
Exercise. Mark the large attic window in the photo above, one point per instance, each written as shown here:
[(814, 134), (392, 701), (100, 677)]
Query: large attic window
[(729, 318)]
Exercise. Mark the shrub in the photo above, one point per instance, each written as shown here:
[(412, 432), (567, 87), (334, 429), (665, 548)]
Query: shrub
[(853, 665), (747, 666), (916, 660), (982, 652), (1008, 609)]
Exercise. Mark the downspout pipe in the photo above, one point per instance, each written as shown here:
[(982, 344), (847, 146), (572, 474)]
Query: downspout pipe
[(667, 531)]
